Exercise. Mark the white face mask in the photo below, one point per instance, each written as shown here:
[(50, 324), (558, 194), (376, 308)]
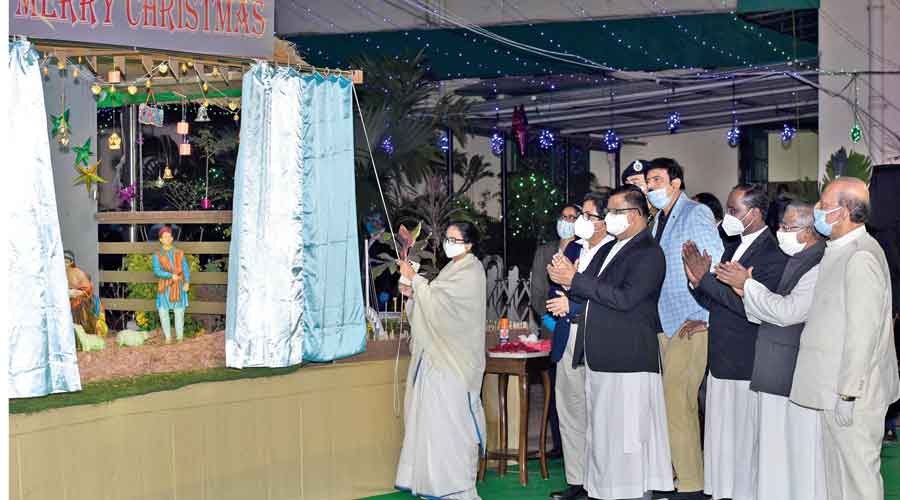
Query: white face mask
[(565, 229), (616, 224), (584, 228), (454, 249), (732, 225), (789, 243)]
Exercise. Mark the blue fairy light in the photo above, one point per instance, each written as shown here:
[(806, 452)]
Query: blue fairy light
[(546, 139), (611, 139), (673, 122), (787, 134), (734, 136), (498, 143), (444, 142), (387, 145)]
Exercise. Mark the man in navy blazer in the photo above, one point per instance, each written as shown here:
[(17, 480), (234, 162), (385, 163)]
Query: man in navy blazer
[(731, 422)]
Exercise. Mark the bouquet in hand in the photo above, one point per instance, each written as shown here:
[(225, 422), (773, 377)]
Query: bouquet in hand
[(406, 241)]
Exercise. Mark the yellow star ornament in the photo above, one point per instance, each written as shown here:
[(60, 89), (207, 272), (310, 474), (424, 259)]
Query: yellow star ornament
[(89, 176)]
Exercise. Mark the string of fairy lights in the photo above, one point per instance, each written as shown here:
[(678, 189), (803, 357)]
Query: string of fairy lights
[(673, 120)]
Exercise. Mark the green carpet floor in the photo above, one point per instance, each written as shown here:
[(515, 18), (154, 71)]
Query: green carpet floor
[(502, 488)]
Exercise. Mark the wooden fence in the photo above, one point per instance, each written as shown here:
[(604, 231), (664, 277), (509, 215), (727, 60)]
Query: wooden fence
[(189, 247)]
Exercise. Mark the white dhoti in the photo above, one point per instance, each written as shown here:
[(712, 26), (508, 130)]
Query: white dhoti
[(627, 435), (791, 456), (730, 440), (444, 434), (572, 411)]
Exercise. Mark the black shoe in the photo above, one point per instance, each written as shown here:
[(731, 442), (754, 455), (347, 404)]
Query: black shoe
[(575, 492), (677, 495), (663, 495)]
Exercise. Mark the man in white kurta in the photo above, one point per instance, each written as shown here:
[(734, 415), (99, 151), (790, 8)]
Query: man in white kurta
[(847, 366), (444, 419), (627, 436), (789, 453)]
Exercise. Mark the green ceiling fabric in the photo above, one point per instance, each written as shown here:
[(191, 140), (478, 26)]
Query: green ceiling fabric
[(647, 44)]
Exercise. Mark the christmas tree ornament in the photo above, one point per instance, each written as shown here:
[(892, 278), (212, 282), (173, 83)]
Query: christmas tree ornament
[(163, 68), (132, 89), (787, 134), (856, 133), (202, 115), (184, 149), (182, 127), (443, 142), (520, 128), (232, 105), (184, 68), (205, 204), (88, 176), (114, 76), (237, 117), (167, 173), (733, 136), (546, 139), (61, 130), (127, 193), (61, 64), (114, 142), (498, 143), (673, 122), (387, 145), (611, 141), (96, 89), (83, 153)]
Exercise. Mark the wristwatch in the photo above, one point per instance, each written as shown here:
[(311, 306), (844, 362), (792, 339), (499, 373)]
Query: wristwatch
[(847, 398)]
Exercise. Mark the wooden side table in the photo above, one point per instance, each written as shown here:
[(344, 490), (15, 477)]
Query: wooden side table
[(521, 367)]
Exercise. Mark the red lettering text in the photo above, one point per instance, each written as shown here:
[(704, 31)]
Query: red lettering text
[(150, 7), (241, 18), (191, 14), (65, 5), (108, 19), (25, 7), (131, 20), (259, 27), (87, 8), (44, 13), (223, 16), (166, 13)]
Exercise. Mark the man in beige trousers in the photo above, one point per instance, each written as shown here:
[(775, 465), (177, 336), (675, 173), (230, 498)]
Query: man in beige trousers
[(847, 366), (683, 343)]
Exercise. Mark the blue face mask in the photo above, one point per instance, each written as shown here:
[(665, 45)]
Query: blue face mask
[(823, 227), (659, 198), (565, 229)]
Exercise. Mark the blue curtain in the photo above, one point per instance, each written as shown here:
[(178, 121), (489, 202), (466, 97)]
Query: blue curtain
[(294, 287), (334, 322), (42, 356)]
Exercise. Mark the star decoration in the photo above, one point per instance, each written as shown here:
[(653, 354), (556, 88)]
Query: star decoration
[(83, 153), (60, 123), (89, 176)]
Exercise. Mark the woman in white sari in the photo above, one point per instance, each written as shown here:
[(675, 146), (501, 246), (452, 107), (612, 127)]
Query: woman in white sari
[(444, 419)]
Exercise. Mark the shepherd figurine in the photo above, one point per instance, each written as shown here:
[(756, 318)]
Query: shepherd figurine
[(171, 267)]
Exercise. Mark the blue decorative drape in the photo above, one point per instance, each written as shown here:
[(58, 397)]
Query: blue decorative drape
[(42, 356), (294, 287)]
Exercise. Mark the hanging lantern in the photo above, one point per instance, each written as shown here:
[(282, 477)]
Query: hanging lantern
[(734, 136), (205, 204), (163, 68), (114, 76), (114, 141), (498, 143), (673, 122), (237, 117), (787, 134), (202, 115), (546, 139), (205, 87), (184, 68), (167, 173), (184, 149), (611, 140), (182, 127), (132, 89)]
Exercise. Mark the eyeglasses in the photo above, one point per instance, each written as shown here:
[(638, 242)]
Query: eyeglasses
[(790, 229), (617, 211), (454, 241), (593, 217)]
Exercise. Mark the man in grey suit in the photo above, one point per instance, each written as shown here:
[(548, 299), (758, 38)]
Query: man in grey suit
[(846, 366)]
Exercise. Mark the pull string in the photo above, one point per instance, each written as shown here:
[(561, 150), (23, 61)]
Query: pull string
[(375, 170)]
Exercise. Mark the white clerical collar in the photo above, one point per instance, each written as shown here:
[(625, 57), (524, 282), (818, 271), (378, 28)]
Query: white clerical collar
[(750, 238), (847, 238)]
